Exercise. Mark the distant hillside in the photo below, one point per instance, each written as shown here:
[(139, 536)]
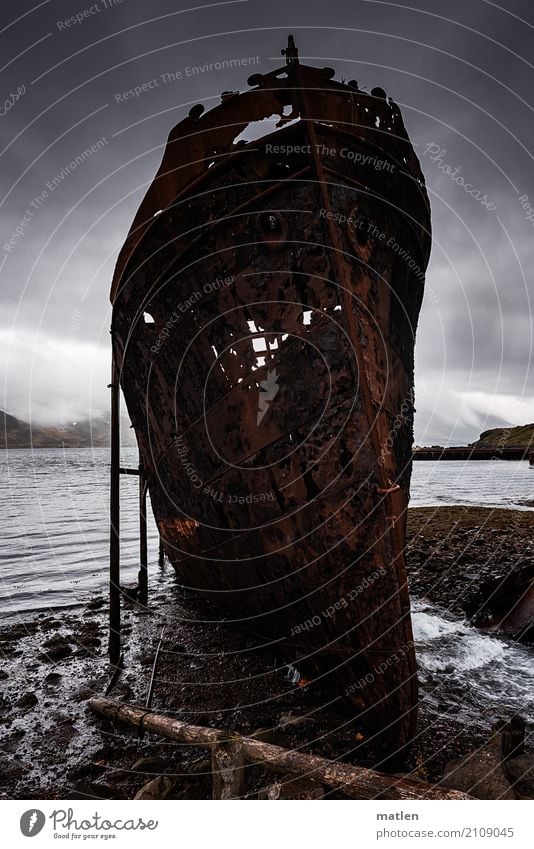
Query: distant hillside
[(93, 432), (507, 437)]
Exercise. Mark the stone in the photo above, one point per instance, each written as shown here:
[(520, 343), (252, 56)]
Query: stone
[(12, 769), (5, 704), (83, 694), (200, 767), (480, 773), (155, 764), (295, 720), (520, 774), (159, 788), (27, 700), (56, 649), (89, 769), (88, 790)]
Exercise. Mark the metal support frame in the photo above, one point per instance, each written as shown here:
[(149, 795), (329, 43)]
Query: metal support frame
[(116, 471), (143, 546), (114, 523)]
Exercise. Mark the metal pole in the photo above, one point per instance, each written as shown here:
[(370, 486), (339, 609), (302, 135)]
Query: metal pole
[(143, 548), (114, 523), (161, 554)]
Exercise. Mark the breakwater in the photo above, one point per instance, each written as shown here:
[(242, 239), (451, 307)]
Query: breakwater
[(469, 453)]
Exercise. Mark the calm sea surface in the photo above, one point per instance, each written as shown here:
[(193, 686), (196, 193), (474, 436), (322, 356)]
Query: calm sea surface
[(55, 510), (56, 527)]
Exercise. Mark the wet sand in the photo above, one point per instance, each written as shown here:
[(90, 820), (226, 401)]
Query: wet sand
[(53, 747)]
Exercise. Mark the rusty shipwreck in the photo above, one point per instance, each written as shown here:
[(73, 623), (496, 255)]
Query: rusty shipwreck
[(264, 312)]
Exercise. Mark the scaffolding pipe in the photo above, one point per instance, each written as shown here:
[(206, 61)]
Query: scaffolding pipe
[(114, 517), (143, 545)]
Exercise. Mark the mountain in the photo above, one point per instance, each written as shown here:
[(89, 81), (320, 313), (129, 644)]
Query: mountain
[(88, 433), (507, 437)]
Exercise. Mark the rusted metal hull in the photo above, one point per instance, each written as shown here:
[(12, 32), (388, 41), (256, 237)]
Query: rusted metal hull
[(271, 390)]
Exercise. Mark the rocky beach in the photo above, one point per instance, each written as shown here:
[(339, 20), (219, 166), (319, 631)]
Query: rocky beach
[(466, 564), (475, 562)]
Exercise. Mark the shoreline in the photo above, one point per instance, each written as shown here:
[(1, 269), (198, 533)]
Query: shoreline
[(54, 748), (472, 561)]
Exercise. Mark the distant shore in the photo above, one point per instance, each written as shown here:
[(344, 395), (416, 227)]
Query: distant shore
[(468, 452)]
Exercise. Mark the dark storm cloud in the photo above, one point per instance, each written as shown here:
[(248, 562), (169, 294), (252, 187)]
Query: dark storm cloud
[(464, 86)]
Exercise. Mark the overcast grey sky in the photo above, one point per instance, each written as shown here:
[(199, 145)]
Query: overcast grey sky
[(462, 74)]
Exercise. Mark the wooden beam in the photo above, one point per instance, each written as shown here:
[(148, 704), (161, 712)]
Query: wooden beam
[(227, 766), (354, 781)]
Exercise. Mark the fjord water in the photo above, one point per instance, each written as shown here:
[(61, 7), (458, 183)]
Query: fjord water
[(56, 527), (55, 554), (479, 483), (479, 677)]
